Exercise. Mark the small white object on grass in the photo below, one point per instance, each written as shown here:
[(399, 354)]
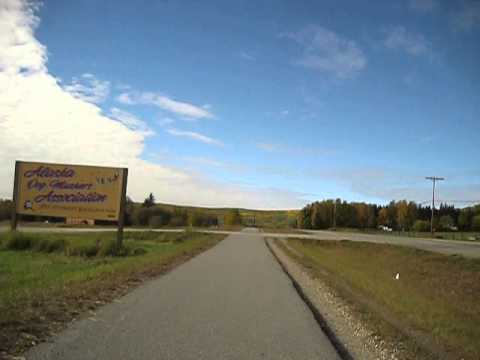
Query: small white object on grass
[(397, 277)]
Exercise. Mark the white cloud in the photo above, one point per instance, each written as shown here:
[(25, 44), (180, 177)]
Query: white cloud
[(165, 103), (89, 88), (125, 98), (413, 44), (326, 51), (195, 136), (130, 121), (19, 50), (423, 6), (246, 56), (40, 121), (468, 16)]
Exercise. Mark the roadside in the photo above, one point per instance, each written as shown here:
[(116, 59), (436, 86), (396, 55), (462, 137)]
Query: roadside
[(430, 311), (49, 280)]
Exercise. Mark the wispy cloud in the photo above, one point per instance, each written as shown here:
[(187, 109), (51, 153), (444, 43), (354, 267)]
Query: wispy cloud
[(267, 147), (165, 121), (203, 161), (246, 56), (467, 17), (130, 121), (423, 6), (88, 88), (328, 52), (195, 136), (399, 38), (293, 150), (166, 103), (411, 79)]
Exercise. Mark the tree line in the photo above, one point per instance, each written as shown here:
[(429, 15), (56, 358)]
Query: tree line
[(149, 214), (397, 215)]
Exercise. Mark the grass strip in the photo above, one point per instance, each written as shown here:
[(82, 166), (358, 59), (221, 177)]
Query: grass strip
[(43, 287)]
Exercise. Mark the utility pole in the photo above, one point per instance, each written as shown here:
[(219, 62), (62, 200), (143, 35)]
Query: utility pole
[(434, 179), (335, 214)]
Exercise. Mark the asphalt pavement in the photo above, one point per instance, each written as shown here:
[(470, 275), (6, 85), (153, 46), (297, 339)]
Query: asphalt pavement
[(230, 302), (448, 247)]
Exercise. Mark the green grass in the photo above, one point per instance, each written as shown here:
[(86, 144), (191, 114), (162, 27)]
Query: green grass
[(437, 296), (37, 282)]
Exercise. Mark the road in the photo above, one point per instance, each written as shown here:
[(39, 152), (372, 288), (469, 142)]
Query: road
[(230, 302), (447, 247)]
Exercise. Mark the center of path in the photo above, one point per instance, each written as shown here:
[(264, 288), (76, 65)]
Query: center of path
[(230, 302)]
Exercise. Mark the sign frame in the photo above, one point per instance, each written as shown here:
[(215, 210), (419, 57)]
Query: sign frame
[(122, 204)]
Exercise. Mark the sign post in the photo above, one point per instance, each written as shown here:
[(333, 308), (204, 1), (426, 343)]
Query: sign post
[(14, 218), (70, 191), (121, 218)]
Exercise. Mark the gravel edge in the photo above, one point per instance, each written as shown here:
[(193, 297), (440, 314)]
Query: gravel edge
[(347, 332)]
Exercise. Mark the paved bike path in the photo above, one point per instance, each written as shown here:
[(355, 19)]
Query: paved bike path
[(230, 302)]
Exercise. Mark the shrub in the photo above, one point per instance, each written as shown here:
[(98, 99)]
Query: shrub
[(141, 216), (476, 223), (178, 221), (421, 226), (87, 250), (179, 218), (75, 247), (55, 245), (48, 245), (107, 248), (233, 217), (23, 241), (18, 241), (5, 209), (446, 222), (156, 221), (139, 251)]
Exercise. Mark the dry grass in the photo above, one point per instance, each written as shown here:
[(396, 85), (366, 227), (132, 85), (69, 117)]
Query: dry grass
[(435, 301)]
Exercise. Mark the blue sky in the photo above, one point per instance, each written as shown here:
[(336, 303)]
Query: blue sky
[(305, 99)]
